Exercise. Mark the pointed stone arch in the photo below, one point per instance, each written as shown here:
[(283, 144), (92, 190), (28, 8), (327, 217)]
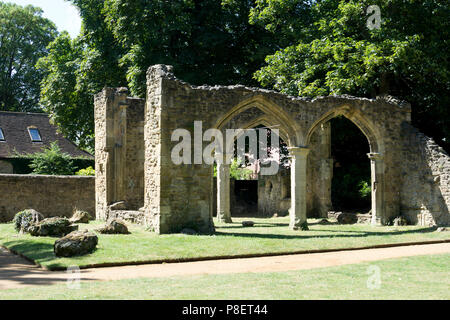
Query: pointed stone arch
[(367, 128), (291, 131), (376, 155)]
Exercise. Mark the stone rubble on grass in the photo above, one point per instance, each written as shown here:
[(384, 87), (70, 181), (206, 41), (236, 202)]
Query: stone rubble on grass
[(346, 218), (52, 227), (248, 223), (324, 222), (36, 216), (114, 226), (80, 217), (400, 221), (75, 243), (27, 222)]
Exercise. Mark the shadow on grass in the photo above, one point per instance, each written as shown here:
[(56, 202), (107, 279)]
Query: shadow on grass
[(41, 253), (237, 225), (16, 270), (304, 234)]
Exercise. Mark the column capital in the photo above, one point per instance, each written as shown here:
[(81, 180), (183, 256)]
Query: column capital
[(375, 156), (298, 151)]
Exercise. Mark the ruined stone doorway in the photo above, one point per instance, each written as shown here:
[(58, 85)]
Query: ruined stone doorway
[(244, 200), (351, 182)]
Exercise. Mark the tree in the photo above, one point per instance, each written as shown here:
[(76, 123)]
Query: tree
[(24, 36), (52, 161), (74, 74), (207, 41), (330, 50)]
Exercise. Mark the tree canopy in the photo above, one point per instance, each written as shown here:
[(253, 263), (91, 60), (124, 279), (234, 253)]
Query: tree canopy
[(24, 36), (330, 50), (208, 42), (300, 47)]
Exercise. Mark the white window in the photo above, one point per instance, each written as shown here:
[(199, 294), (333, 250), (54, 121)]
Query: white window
[(34, 134), (2, 136)]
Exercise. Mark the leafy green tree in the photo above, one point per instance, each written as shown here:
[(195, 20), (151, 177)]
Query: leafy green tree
[(330, 50), (73, 75), (24, 36), (207, 41), (52, 161)]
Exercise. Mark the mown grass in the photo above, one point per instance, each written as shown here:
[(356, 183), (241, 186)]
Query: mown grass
[(419, 277), (266, 237)]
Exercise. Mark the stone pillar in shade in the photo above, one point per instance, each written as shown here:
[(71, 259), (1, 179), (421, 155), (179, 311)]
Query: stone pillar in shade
[(297, 213)]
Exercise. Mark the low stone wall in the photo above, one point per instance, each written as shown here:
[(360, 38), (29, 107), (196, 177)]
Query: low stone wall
[(50, 195)]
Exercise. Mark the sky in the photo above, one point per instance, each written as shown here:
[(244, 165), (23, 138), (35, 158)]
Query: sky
[(62, 13)]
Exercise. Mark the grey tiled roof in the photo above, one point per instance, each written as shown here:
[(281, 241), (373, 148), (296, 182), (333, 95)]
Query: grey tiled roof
[(15, 129)]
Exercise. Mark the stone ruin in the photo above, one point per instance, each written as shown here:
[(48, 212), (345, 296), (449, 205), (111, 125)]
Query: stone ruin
[(137, 181)]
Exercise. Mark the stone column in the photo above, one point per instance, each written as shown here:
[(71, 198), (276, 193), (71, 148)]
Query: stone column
[(377, 177), (297, 213), (223, 193), (326, 170)]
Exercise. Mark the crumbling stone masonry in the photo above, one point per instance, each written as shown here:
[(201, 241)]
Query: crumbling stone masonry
[(410, 173), (119, 153)]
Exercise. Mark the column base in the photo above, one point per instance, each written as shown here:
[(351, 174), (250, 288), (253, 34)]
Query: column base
[(224, 219), (303, 226)]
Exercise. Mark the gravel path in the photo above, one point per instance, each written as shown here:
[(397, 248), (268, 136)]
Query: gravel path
[(16, 272)]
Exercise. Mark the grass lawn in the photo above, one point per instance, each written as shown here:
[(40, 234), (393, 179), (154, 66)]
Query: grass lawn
[(420, 277), (267, 236)]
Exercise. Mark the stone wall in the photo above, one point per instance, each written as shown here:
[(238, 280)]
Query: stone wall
[(184, 191), (180, 196), (50, 195), (274, 194), (6, 167), (425, 189), (119, 151)]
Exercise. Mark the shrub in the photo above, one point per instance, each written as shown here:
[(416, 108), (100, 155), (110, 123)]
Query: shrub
[(365, 190), (89, 171), (23, 220), (52, 161), (237, 172)]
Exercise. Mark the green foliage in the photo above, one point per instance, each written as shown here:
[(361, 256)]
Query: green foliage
[(24, 36), (52, 161), (89, 171), (365, 190), (206, 41), (237, 172), (74, 73), (329, 50), (22, 220)]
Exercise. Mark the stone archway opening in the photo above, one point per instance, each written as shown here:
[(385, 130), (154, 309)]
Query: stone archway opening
[(351, 168), (351, 178), (254, 192), (245, 194)]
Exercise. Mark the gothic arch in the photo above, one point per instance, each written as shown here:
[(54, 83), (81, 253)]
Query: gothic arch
[(273, 115), (376, 154), (367, 128)]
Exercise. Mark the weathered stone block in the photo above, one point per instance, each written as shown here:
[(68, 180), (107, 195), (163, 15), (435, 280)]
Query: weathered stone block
[(75, 244)]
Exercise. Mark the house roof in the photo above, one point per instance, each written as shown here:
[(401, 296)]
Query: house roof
[(17, 138)]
